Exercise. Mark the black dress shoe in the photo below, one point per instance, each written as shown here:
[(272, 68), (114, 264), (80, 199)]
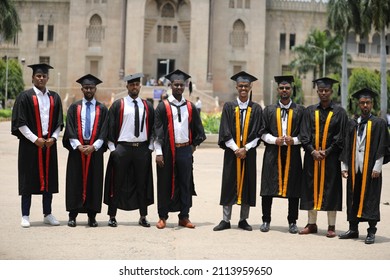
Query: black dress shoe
[(350, 234), (292, 228), (244, 225), (72, 223), (112, 222), (222, 225), (265, 227), (143, 222), (370, 239), (92, 222)]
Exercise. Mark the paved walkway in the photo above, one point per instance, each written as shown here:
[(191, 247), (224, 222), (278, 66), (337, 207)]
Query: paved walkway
[(131, 242)]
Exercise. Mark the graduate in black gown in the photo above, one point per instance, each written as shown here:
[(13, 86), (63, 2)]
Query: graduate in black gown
[(86, 139), (282, 162), (239, 136), (129, 178), (178, 130), (366, 149), (37, 122), (322, 137)]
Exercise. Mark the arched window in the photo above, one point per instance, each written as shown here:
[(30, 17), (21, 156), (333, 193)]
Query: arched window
[(238, 36), (168, 11), (95, 31), (376, 44)]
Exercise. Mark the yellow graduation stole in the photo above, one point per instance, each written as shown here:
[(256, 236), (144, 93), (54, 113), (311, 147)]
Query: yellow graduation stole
[(319, 190), (365, 165), (283, 183), (241, 164)]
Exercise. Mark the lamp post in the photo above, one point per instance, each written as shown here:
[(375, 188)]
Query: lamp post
[(6, 81), (324, 58)]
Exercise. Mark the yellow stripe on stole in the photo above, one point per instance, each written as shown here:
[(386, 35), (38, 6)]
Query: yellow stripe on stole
[(241, 169), (283, 183), (365, 167), (319, 193)]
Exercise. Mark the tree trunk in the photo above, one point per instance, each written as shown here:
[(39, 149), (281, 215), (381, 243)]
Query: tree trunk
[(344, 74), (383, 75)]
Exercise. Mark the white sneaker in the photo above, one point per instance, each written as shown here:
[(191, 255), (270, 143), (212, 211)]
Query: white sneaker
[(50, 219), (25, 222)]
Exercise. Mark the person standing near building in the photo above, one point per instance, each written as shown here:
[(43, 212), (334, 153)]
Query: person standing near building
[(198, 104), (239, 136), (366, 149), (86, 138), (178, 130), (37, 122), (282, 156), (322, 137), (129, 177)]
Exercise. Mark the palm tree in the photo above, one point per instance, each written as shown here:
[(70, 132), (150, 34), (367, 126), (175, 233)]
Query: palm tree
[(9, 20), (344, 15), (318, 51), (377, 14)]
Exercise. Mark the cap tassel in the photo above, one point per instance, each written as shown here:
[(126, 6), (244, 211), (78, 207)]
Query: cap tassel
[(190, 87), (294, 93), (339, 91), (250, 96)]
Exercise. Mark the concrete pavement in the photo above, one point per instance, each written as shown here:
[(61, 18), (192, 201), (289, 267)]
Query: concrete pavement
[(131, 242)]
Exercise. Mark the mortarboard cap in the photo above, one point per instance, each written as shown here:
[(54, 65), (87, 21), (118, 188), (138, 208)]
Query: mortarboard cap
[(284, 79), (89, 80), (365, 92), (243, 77), (133, 78), (325, 81), (40, 67), (177, 75)]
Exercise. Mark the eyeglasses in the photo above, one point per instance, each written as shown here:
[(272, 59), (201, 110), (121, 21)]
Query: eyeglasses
[(284, 88), (178, 85), (136, 84), (362, 103), (243, 86)]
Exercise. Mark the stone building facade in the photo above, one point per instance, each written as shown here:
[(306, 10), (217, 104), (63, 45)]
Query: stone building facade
[(209, 39)]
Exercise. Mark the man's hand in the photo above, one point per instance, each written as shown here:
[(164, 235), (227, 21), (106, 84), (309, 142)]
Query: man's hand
[(289, 140), (318, 155), (40, 142), (160, 160), (279, 141), (86, 149), (375, 174), (240, 153), (50, 142)]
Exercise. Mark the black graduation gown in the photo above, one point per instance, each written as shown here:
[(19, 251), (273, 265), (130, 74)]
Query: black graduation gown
[(332, 190), (80, 197), (125, 196), (29, 164), (227, 131), (270, 185), (164, 174), (379, 147)]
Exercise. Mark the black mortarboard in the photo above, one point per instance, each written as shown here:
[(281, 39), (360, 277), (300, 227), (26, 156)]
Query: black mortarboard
[(365, 92), (284, 79), (40, 67), (133, 78), (89, 80), (177, 75), (327, 82), (243, 77)]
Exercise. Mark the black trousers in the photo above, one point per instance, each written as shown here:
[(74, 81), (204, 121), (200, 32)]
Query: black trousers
[(266, 205), (46, 203), (352, 213)]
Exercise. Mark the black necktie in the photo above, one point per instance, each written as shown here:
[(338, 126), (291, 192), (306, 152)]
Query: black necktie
[(136, 119), (284, 113), (242, 121), (362, 124)]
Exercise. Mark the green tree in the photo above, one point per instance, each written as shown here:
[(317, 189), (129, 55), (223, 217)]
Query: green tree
[(9, 20), (15, 80), (363, 78), (377, 14), (344, 15), (310, 55)]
